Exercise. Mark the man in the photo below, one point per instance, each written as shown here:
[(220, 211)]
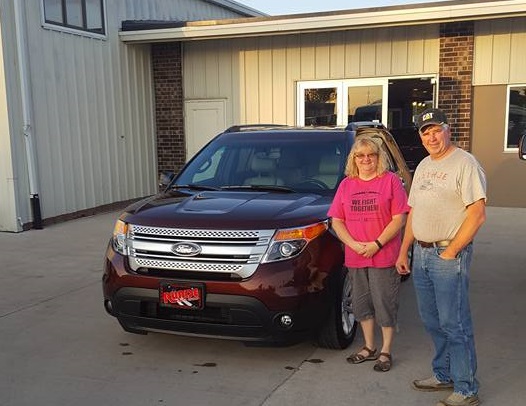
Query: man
[(448, 200)]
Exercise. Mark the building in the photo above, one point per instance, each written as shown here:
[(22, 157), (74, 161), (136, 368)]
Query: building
[(77, 104), (389, 63), (91, 116)]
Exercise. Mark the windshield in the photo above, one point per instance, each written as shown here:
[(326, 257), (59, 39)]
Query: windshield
[(300, 162)]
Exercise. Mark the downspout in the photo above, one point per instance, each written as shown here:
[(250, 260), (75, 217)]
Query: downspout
[(21, 47)]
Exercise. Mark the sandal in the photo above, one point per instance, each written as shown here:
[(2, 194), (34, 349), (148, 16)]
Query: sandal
[(383, 366), (357, 358)]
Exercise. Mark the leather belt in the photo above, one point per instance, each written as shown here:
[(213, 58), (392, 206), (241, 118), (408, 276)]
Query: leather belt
[(443, 243)]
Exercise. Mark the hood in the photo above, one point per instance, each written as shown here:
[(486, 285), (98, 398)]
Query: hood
[(229, 210)]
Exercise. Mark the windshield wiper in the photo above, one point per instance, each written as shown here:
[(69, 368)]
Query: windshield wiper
[(194, 187), (271, 188)]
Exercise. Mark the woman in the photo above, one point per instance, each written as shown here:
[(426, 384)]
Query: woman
[(368, 212)]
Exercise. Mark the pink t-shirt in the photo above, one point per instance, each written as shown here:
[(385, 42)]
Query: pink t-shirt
[(367, 208)]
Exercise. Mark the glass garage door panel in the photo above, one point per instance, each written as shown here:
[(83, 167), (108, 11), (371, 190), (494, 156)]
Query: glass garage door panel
[(320, 106), (364, 103)]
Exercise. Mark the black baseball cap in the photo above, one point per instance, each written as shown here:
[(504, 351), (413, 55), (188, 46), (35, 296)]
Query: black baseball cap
[(430, 116)]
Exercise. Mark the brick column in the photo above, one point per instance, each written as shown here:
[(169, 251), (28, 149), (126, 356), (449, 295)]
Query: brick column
[(456, 71), (168, 84)]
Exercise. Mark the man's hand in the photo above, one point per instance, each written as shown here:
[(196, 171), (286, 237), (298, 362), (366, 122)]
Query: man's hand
[(402, 264)]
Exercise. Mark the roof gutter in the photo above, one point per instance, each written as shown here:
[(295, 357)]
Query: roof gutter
[(335, 21)]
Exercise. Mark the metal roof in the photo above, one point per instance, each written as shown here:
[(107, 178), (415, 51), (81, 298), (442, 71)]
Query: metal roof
[(415, 14), (237, 7)]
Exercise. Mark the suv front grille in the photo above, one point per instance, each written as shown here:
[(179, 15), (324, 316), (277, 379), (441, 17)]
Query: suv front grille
[(188, 266), (195, 233), (233, 252)]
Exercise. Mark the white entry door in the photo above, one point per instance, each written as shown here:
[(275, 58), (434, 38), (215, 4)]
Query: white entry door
[(204, 119)]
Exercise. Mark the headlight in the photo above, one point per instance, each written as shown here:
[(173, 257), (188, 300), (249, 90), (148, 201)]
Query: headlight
[(120, 234), (288, 243)]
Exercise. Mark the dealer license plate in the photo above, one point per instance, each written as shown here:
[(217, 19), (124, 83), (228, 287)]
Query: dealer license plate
[(181, 295)]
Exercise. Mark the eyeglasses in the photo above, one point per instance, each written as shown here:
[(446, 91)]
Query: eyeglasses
[(363, 156)]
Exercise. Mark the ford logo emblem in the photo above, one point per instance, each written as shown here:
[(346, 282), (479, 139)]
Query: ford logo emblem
[(186, 249)]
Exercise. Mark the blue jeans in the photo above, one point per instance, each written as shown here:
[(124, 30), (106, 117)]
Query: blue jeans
[(443, 302)]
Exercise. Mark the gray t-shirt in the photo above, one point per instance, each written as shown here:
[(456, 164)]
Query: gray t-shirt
[(441, 191)]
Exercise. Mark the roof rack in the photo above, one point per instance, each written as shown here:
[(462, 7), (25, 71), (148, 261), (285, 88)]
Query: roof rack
[(248, 127), (353, 126)]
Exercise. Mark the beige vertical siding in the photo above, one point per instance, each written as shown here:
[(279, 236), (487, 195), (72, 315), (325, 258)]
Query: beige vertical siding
[(500, 60), (500, 52), (504, 170), (265, 70), (337, 55), (92, 106), (279, 82)]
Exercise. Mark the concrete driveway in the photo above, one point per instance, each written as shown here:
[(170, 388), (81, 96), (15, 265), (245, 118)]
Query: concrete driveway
[(58, 346)]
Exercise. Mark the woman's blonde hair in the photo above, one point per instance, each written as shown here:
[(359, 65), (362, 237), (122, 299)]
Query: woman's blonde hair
[(364, 141)]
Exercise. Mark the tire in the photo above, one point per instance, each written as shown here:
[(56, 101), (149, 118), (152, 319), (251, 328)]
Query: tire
[(340, 328)]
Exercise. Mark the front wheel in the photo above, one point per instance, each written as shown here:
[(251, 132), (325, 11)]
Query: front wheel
[(340, 328)]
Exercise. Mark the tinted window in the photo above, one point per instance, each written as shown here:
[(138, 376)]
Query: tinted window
[(516, 124), (83, 15), (303, 163)]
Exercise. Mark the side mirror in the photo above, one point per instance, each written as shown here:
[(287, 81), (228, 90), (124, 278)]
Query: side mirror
[(165, 178), (522, 148)]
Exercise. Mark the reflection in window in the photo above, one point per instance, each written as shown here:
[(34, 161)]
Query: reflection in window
[(365, 103), (74, 13), (85, 15), (209, 169), (320, 106), (53, 11), (516, 115), (94, 15)]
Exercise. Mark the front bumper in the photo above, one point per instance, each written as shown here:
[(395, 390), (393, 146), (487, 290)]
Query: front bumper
[(225, 316), (247, 310)]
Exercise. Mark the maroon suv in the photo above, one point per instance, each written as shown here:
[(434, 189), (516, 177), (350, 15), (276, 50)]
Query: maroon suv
[(238, 244)]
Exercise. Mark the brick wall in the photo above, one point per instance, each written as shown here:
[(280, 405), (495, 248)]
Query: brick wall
[(456, 71), (168, 84)]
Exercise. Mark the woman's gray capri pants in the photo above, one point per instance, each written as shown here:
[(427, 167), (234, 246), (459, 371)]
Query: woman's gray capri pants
[(374, 294)]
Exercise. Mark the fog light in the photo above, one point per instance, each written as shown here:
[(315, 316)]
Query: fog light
[(286, 320), (108, 306)]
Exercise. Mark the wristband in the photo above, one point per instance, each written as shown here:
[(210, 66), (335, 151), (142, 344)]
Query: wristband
[(380, 246)]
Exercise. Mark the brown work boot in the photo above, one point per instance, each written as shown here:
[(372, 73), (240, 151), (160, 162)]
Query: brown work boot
[(431, 385), (457, 399)]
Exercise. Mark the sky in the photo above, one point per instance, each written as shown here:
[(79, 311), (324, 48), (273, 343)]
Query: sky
[(277, 7)]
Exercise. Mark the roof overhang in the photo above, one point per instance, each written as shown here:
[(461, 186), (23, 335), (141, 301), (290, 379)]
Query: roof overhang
[(426, 13)]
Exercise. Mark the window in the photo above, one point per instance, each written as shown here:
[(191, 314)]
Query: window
[(516, 120), (84, 15), (320, 106)]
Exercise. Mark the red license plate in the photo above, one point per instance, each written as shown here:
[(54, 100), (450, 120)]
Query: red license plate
[(181, 295)]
